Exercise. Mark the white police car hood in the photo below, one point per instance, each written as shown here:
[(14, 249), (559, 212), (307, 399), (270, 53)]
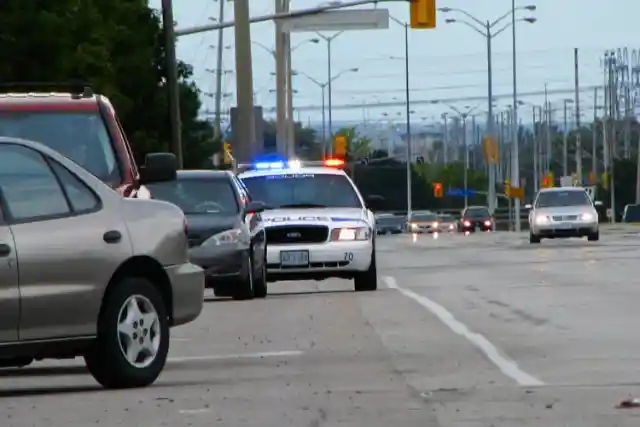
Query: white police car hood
[(331, 217)]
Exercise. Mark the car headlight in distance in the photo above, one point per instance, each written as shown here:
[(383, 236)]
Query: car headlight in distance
[(466, 223), (450, 226), (435, 224), (586, 217), (487, 223), (228, 237), (542, 219), (350, 234)]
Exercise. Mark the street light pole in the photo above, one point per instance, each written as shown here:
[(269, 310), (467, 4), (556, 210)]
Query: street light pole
[(408, 112), (487, 30), (515, 143), (490, 119), (324, 86), (329, 40), (466, 159)]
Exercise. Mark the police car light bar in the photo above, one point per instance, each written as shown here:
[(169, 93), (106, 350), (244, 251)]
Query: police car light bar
[(289, 164), (334, 163)]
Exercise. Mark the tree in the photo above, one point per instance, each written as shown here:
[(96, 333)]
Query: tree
[(358, 146), (115, 45), (305, 137)]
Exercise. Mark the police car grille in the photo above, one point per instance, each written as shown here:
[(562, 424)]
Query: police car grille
[(297, 234)]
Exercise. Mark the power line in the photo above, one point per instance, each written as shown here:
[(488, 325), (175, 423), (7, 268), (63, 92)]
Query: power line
[(444, 100)]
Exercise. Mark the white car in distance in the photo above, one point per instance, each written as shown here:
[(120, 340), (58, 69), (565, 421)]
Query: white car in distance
[(563, 212)]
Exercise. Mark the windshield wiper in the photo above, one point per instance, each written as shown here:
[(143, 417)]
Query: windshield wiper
[(303, 205)]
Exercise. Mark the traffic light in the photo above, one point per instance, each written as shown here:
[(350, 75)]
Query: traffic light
[(423, 14), (507, 188), (437, 190), (547, 180), (340, 146), (227, 153)]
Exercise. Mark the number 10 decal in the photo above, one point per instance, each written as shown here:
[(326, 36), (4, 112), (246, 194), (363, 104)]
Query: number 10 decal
[(348, 256)]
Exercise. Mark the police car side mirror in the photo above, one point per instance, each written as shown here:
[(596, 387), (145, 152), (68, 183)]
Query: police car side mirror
[(597, 203), (528, 206), (254, 208)]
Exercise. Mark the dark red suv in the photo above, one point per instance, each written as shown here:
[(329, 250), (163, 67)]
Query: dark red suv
[(76, 122)]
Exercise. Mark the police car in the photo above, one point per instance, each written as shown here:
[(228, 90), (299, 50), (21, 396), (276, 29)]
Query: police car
[(316, 221)]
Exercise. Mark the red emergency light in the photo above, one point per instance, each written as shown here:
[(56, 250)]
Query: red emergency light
[(334, 163)]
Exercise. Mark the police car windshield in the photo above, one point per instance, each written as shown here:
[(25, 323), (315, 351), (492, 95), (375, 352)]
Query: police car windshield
[(558, 199), (78, 135), (198, 196), (303, 190)]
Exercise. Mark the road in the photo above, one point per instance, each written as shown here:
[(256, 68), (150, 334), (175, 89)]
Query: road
[(483, 330)]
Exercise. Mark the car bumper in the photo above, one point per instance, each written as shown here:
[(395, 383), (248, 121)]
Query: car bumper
[(326, 258), (220, 265), (389, 231), (187, 286), (476, 226), (567, 229)]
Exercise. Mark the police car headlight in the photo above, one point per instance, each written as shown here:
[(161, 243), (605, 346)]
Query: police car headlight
[(228, 237), (350, 234)]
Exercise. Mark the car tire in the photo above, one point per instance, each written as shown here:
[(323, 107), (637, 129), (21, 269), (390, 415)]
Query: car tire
[(367, 280), (260, 281), (534, 238), (244, 290), (106, 359), (594, 237)]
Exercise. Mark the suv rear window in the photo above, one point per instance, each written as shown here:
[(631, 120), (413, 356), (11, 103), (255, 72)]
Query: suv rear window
[(79, 135)]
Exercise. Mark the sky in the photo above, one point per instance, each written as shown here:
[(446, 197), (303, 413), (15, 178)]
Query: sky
[(447, 64)]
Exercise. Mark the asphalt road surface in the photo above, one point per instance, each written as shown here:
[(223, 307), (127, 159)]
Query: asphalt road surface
[(477, 331)]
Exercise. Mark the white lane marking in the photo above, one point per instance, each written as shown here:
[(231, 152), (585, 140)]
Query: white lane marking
[(180, 339), (506, 365), (194, 411), (237, 356)]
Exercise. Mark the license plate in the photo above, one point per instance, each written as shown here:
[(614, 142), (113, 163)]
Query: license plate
[(564, 226), (294, 258)]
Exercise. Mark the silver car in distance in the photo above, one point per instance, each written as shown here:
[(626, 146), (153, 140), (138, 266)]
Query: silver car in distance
[(563, 212)]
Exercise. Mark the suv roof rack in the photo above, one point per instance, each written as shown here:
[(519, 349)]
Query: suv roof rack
[(77, 88)]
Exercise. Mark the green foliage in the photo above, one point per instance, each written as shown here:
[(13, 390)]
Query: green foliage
[(115, 45), (358, 146)]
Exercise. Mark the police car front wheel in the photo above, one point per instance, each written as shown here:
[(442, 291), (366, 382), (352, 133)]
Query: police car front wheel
[(367, 280)]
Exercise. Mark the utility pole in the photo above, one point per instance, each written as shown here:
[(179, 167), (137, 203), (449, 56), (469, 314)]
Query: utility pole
[(536, 149), (290, 120), (565, 143), (244, 135), (445, 148), (576, 67), (281, 82), (171, 70), (515, 147), (217, 131), (594, 137), (466, 160), (490, 120), (547, 120)]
